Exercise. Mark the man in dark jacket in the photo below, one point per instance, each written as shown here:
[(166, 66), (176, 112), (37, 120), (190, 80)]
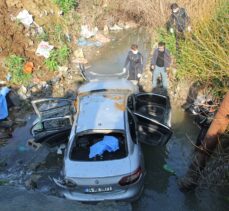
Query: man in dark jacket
[(179, 23), (135, 61), (160, 64)]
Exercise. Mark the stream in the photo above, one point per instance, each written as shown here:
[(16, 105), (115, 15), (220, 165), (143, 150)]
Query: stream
[(161, 191)]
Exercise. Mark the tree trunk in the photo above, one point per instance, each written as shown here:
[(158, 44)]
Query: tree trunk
[(211, 140)]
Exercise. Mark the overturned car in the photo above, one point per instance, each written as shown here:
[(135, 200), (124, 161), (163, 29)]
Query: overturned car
[(103, 130)]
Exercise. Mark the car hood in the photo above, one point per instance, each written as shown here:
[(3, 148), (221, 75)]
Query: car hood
[(93, 169)]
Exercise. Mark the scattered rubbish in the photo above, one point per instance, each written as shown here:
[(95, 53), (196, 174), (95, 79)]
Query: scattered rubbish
[(28, 68), (68, 37), (44, 49), (101, 38), (82, 42), (168, 169), (61, 148), (3, 103), (115, 28), (8, 77), (86, 32), (108, 143), (25, 18)]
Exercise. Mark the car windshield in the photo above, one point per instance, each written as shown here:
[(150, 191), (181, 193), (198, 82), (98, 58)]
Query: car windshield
[(99, 147)]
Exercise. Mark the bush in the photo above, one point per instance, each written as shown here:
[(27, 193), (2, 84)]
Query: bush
[(66, 5), (15, 64), (57, 57), (204, 55)]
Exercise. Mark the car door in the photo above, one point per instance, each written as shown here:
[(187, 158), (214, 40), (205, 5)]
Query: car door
[(54, 120), (152, 113)]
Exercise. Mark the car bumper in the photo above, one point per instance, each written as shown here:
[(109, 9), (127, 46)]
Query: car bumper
[(132, 193)]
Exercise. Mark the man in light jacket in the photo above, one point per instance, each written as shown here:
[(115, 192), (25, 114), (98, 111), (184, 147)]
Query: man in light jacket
[(160, 64)]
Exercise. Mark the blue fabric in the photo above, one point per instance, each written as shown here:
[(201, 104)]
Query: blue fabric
[(108, 143), (3, 104)]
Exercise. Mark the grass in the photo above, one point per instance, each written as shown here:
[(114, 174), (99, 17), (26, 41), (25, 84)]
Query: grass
[(58, 57), (15, 64), (66, 5)]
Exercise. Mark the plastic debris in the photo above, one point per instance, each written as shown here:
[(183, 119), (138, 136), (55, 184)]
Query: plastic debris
[(82, 42), (8, 77), (108, 143), (44, 49), (3, 104), (86, 32), (28, 68), (168, 169), (25, 18)]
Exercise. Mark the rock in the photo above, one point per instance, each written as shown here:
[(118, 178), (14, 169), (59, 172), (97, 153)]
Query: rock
[(101, 38), (62, 68), (78, 53), (115, 28), (31, 43), (5, 135), (130, 24), (106, 30), (80, 60), (55, 80), (32, 182), (22, 92), (34, 89)]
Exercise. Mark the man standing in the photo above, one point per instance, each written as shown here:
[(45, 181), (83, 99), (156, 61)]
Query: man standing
[(135, 61), (179, 23), (160, 64)]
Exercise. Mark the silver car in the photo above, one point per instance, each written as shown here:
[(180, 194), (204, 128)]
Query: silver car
[(105, 111)]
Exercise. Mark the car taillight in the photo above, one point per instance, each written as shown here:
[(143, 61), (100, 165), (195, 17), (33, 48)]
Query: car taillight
[(132, 178)]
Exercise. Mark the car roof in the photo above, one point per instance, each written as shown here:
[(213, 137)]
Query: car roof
[(101, 111), (114, 84)]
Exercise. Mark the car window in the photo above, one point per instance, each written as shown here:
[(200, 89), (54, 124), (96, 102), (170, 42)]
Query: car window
[(132, 127), (98, 147)]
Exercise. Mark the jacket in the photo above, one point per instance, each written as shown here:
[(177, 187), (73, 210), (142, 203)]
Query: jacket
[(167, 58)]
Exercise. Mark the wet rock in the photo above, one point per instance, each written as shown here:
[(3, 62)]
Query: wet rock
[(14, 99), (3, 165), (101, 38), (35, 166), (32, 182)]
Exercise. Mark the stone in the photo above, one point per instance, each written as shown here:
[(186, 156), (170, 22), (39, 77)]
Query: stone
[(80, 60), (106, 30), (101, 38), (22, 92), (78, 53)]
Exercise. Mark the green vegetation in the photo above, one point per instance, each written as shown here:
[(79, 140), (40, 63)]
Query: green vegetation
[(57, 57), (15, 64), (66, 5), (204, 54)]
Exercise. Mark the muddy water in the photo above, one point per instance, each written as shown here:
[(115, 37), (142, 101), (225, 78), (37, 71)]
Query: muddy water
[(161, 191)]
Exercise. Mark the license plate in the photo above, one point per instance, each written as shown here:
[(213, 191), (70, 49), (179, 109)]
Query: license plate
[(97, 190)]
